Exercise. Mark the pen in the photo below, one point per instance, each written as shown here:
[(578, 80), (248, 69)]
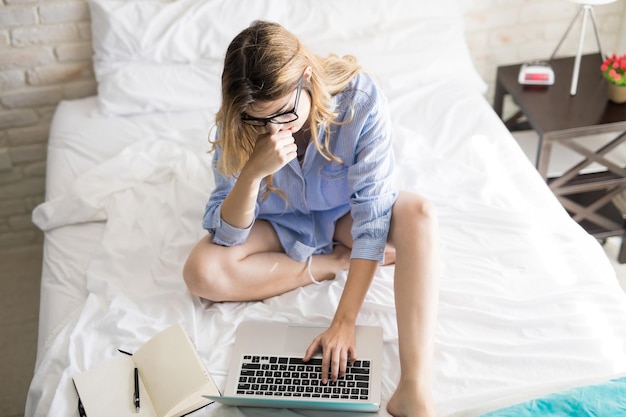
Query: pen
[(81, 409), (136, 393), (136, 396)]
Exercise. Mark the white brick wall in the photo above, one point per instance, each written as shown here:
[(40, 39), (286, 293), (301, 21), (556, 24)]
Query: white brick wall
[(45, 57), (502, 32)]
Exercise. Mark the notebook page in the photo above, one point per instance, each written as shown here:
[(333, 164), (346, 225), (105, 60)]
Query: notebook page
[(107, 390), (172, 370)]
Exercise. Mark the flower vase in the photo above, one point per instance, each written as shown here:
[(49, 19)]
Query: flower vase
[(617, 93)]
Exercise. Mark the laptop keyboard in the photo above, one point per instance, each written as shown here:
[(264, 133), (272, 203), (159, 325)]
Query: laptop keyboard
[(283, 376)]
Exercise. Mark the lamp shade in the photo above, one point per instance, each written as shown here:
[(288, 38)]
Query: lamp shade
[(593, 2)]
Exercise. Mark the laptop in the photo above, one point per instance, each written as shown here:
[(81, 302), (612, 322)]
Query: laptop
[(267, 370)]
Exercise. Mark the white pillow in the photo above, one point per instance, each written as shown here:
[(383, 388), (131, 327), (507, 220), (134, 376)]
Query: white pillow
[(152, 55)]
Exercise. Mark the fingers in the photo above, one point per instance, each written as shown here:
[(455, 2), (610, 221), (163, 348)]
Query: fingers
[(326, 361), (285, 147), (337, 351), (336, 361), (280, 135), (352, 354), (284, 143), (281, 142), (333, 360), (313, 347), (272, 152), (338, 365)]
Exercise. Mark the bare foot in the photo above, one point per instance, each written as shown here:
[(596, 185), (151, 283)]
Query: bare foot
[(411, 401), (341, 254), (390, 257), (325, 267)]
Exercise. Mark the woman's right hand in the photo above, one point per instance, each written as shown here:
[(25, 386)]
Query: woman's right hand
[(272, 151)]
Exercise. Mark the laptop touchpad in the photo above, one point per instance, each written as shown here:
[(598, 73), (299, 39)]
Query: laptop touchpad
[(299, 338)]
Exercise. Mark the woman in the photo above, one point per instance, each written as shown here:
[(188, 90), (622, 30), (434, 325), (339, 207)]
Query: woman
[(303, 166)]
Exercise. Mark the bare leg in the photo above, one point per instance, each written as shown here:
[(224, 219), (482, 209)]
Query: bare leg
[(255, 270), (343, 235), (414, 233)]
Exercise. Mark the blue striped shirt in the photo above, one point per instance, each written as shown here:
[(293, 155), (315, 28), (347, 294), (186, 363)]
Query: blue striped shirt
[(320, 192)]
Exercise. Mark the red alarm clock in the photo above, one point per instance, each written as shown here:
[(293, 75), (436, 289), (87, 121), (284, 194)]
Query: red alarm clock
[(536, 73)]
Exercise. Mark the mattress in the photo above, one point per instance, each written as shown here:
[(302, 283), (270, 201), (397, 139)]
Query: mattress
[(528, 301)]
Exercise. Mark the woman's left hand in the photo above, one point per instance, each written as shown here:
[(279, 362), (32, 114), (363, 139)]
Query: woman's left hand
[(338, 347)]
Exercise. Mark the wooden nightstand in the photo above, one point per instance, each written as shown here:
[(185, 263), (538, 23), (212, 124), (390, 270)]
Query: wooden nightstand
[(558, 117)]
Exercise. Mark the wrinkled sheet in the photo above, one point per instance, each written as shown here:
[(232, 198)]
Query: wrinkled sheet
[(527, 298)]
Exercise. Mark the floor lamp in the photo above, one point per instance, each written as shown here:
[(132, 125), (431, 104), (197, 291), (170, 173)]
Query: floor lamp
[(586, 9)]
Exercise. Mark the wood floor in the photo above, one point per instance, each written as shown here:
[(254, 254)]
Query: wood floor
[(20, 272)]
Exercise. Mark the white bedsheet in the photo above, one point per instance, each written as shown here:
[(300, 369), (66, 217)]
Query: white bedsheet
[(527, 299)]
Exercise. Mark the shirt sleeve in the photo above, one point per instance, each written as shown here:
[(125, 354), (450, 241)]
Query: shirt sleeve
[(371, 177), (223, 233)]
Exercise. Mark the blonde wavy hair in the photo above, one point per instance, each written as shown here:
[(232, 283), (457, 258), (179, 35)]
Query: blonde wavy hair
[(263, 63)]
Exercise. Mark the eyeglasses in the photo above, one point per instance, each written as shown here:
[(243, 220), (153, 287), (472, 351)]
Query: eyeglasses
[(279, 119)]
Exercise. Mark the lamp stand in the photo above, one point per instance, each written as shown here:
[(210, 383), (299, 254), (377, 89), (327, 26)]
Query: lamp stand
[(587, 11)]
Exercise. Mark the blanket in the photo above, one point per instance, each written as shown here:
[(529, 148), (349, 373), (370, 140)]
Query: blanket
[(606, 399)]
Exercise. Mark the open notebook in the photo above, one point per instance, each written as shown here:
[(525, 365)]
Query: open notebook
[(172, 380)]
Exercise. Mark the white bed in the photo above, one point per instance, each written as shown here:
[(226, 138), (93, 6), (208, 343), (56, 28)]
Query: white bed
[(529, 303)]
